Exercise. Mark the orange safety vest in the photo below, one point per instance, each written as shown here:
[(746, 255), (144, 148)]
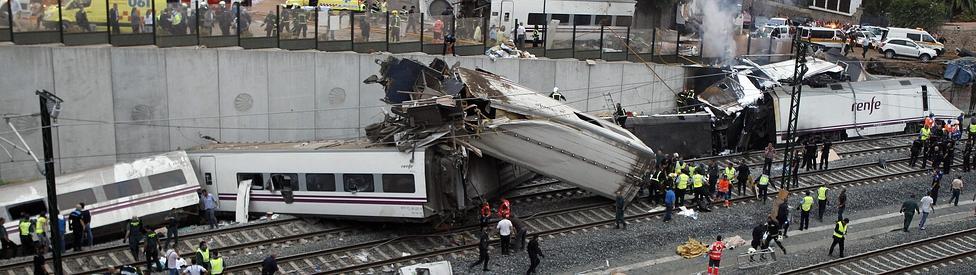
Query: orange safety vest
[(715, 253), (485, 210), (928, 122), (504, 210)]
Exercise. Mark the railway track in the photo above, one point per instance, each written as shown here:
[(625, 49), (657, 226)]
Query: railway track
[(379, 255), (913, 257), (230, 241)]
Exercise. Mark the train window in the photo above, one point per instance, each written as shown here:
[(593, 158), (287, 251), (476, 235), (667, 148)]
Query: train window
[(279, 181), (563, 18), (167, 179), (398, 183), (68, 200), (357, 182), (320, 182), (623, 21), (122, 189), (257, 181), (536, 19), (582, 19), (604, 20), (508, 16), (31, 208)]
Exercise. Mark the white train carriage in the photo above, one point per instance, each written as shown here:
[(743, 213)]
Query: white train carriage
[(348, 180), (147, 187)]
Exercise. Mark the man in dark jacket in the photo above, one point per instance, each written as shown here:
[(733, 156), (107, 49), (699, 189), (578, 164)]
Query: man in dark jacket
[(914, 151), (269, 266), (482, 252), (534, 253), (712, 176), (77, 225), (620, 203), (743, 177), (825, 154)]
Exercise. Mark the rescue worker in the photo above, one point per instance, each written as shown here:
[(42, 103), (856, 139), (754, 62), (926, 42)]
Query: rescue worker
[(825, 155), (948, 156), (935, 154), (534, 253), (216, 264), (772, 235), (729, 172), (924, 135), (133, 235), (840, 231), (504, 208), (669, 199), (758, 235), (972, 129), (805, 208), (485, 214), (152, 250), (26, 242), (395, 22), (914, 151), (682, 186), (715, 255), (698, 185), (77, 224), (482, 252), (40, 230), (654, 185), (620, 204), (300, 26), (725, 190), (172, 228), (762, 185), (821, 201), (743, 173), (712, 176), (203, 255), (679, 165), (909, 208)]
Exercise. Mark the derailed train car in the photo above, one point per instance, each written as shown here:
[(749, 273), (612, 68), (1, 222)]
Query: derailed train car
[(750, 108), (484, 113)]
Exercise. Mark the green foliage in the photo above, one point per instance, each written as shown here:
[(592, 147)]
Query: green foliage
[(927, 14), (876, 7)]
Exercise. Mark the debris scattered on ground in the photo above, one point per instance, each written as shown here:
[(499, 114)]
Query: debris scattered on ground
[(691, 249), (688, 212), (507, 50)]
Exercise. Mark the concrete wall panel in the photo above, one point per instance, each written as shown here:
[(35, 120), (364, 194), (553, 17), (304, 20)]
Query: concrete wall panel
[(538, 75), (605, 78), (369, 94), (25, 69), (336, 98), (85, 85), (243, 85), (191, 83), (291, 95), (572, 79), (509, 68), (140, 97)]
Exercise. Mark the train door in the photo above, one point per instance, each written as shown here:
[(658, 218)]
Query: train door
[(505, 15), (208, 173)]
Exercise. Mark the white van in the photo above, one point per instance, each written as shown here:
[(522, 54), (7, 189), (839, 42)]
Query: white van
[(826, 37), (920, 36)]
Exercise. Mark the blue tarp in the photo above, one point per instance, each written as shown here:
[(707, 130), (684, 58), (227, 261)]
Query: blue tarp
[(960, 70)]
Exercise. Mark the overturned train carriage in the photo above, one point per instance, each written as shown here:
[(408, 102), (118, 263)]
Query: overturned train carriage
[(484, 113)]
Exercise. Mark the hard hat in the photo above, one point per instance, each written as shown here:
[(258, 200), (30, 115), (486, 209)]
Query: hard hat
[(222, 3)]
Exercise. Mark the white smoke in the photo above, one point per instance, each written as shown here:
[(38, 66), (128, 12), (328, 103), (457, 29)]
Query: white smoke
[(718, 28)]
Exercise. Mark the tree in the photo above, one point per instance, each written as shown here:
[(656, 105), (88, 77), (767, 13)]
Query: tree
[(927, 14)]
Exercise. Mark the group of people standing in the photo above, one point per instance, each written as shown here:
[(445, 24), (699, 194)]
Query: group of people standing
[(508, 224)]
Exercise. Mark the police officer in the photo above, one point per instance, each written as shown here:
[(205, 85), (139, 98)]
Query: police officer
[(805, 208), (914, 151), (216, 264), (152, 250), (26, 242), (203, 255), (698, 185), (682, 186), (763, 186), (134, 235), (840, 231), (654, 185), (821, 201)]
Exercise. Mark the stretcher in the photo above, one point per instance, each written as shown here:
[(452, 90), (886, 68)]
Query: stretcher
[(756, 258)]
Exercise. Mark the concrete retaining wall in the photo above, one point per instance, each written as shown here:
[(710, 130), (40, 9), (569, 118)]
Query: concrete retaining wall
[(123, 103)]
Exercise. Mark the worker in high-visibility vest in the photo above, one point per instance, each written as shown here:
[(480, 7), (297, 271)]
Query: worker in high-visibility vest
[(972, 128), (698, 186), (763, 186), (730, 173), (216, 264), (840, 231), (203, 255), (26, 242), (925, 134), (805, 208), (40, 230), (679, 166), (682, 186), (821, 201)]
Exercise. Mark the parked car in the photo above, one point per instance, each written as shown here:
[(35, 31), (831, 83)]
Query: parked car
[(904, 47), (865, 38)]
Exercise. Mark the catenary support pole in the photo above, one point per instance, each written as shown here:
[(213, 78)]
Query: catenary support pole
[(52, 193)]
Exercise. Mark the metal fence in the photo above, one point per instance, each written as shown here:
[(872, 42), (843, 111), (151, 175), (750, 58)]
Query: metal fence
[(200, 22)]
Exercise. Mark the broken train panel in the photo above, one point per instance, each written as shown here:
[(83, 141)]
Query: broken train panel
[(482, 113)]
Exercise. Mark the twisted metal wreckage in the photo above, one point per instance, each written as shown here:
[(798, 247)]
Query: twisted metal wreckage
[(483, 113)]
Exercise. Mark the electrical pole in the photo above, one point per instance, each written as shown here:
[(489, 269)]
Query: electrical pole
[(799, 70), (51, 106)]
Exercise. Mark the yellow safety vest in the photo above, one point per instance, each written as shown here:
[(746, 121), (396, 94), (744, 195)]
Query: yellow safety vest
[(807, 203), (678, 167), (729, 172), (822, 193), (205, 253), (691, 169), (763, 180), (972, 128), (697, 181), (25, 227), (177, 18), (841, 230), (39, 226), (926, 132), (217, 266), (683, 181)]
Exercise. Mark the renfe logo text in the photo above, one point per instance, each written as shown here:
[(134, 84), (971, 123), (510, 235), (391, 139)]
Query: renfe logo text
[(869, 106)]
